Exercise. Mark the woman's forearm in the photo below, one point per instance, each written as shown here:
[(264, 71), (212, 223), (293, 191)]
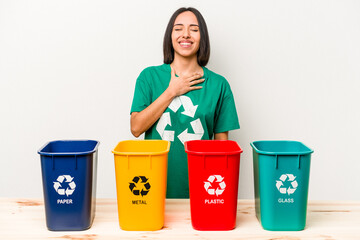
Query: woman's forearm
[(221, 136), (142, 121)]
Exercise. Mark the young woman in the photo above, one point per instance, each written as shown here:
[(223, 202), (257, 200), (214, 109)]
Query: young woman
[(182, 100)]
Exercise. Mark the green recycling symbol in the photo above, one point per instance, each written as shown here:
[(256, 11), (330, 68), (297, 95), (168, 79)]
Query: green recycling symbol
[(189, 110), (138, 187)]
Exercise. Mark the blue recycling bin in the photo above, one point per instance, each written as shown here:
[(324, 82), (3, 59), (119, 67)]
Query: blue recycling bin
[(69, 183)]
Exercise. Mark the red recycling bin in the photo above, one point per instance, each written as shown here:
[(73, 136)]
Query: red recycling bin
[(213, 181)]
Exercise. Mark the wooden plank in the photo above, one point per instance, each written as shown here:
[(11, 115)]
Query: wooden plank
[(25, 219)]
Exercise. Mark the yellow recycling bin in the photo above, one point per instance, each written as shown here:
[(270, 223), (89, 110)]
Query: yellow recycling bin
[(141, 170)]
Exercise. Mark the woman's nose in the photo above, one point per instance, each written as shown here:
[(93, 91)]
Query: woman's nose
[(186, 33)]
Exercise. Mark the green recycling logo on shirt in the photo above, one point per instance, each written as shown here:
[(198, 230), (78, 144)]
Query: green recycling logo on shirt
[(190, 111)]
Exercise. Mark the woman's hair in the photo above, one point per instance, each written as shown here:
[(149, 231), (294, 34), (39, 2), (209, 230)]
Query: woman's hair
[(203, 53)]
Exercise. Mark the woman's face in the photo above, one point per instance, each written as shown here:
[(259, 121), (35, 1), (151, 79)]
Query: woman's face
[(185, 35)]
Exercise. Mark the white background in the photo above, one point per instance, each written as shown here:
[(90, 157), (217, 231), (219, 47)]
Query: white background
[(68, 70)]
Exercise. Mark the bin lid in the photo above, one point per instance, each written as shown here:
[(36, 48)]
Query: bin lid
[(69, 147), (212, 147), (280, 147), (142, 147)]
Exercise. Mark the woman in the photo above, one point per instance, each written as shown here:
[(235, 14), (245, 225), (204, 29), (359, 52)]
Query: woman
[(182, 100)]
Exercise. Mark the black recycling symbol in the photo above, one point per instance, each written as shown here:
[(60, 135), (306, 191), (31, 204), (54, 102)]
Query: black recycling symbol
[(139, 187)]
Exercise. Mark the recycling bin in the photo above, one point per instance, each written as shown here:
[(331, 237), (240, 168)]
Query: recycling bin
[(69, 183), (281, 182), (213, 182), (140, 170)]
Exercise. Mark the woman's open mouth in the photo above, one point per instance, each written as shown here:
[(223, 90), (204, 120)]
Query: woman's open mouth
[(185, 44)]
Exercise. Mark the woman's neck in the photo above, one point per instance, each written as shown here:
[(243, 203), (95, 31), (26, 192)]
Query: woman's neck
[(186, 66)]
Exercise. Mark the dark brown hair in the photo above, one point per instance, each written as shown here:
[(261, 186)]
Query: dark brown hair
[(203, 53)]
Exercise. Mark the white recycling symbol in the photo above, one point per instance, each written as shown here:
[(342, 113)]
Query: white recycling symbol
[(190, 111), (212, 191), (287, 178), (71, 185)]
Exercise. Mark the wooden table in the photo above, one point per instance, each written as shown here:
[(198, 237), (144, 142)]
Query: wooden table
[(25, 219)]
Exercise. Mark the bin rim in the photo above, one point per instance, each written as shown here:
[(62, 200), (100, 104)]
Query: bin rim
[(42, 153), (309, 151), (142, 153), (212, 153)]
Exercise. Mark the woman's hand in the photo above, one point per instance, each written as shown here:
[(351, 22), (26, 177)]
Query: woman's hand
[(142, 121), (183, 84)]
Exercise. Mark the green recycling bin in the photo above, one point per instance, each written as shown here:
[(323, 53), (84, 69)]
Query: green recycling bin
[(281, 182)]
